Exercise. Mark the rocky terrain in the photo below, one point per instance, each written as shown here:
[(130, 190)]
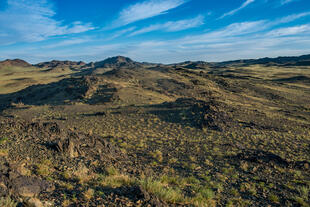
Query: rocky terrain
[(60, 66), (123, 133)]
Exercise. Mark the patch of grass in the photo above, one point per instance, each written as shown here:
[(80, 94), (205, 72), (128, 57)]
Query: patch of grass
[(45, 168), (4, 152), (114, 179), (274, 198), (162, 191), (206, 193), (111, 171), (158, 155), (204, 197), (67, 186), (66, 203), (303, 198), (248, 187), (82, 174), (7, 202), (89, 194), (302, 202), (3, 140), (304, 192)]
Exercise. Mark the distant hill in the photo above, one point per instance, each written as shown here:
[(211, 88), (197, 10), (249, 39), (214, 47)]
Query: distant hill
[(14, 63), (58, 66), (117, 62), (303, 60), (197, 65)]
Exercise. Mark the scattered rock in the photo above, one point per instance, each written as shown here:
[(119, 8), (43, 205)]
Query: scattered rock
[(151, 199), (212, 114), (33, 202), (69, 146), (262, 157), (12, 182), (30, 186), (3, 189)]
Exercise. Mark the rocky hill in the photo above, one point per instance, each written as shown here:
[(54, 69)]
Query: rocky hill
[(58, 66), (117, 62), (303, 60), (14, 63)]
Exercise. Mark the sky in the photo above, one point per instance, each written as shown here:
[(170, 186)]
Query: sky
[(159, 31)]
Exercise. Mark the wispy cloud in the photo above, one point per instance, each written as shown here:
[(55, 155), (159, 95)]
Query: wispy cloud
[(232, 30), (283, 2), (146, 9), (288, 31), (67, 42), (292, 17), (122, 32), (32, 20), (250, 39), (78, 27), (173, 26), (245, 4)]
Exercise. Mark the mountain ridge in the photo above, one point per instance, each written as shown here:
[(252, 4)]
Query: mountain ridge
[(122, 61)]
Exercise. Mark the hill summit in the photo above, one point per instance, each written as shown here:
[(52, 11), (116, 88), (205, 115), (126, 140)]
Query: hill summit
[(14, 62), (116, 62)]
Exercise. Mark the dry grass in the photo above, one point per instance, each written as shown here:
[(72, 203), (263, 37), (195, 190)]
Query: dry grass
[(13, 79), (190, 165), (4, 152), (7, 202)]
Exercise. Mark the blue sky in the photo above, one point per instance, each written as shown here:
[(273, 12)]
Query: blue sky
[(164, 31)]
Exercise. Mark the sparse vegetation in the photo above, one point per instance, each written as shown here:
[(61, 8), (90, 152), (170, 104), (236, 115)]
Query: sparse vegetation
[(45, 168), (157, 135), (7, 202), (161, 191)]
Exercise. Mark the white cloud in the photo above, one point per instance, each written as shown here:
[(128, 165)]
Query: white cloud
[(250, 39), (79, 27), (232, 30), (122, 32), (32, 20), (245, 4), (283, 2), (292, 17), (173, 26), (238, 40), (67, 42), (146, 9), (288, 31)]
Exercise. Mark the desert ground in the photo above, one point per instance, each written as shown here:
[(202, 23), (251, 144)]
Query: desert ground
[(124, 133)]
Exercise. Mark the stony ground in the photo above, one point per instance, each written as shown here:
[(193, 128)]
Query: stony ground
[(159, 136)]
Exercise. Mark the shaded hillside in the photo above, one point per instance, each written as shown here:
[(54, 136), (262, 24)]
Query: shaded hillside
[(193, 65), (303, 60), (295, 79), (66, 91), (59, 66), (117, 62)]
